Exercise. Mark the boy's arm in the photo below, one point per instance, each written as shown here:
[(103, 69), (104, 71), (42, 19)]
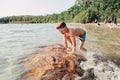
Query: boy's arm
[(65, 42), (73, 43)]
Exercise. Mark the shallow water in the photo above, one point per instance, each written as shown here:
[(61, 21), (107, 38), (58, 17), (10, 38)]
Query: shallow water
[(98, 67), (17, 41)]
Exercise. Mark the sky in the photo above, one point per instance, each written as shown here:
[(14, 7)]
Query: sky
[(33, 7)]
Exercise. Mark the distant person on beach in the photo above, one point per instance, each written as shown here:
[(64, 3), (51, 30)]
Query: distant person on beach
[(96, 22), (115, 20), (70, 34), (108, 19)]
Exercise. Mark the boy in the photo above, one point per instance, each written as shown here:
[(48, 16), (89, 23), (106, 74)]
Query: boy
[(70, 34)]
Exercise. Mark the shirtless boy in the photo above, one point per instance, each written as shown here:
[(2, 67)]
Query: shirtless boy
[(70, 34)]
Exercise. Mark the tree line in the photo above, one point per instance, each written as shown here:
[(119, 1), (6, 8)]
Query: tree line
[(83, 11)]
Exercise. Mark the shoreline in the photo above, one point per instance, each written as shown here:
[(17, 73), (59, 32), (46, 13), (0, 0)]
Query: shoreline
[(111, 25)]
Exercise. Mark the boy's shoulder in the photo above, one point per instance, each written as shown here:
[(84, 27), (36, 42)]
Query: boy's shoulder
[(71, 31)]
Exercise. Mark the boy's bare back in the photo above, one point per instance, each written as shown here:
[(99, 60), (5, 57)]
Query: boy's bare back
[(75, 31)]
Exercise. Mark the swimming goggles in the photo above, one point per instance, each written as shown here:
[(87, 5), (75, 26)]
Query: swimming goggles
[(61, 30)]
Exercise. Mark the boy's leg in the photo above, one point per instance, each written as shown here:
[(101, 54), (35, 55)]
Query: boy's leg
[(82, 38), (81, 46)]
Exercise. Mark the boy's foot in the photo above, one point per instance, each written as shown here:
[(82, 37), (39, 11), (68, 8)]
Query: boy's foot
[(83, 49)]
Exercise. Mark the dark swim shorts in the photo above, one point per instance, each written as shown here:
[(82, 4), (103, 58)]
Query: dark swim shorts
[(82, 36)]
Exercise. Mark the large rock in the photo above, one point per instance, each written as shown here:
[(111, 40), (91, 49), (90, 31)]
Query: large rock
[(52, 63)]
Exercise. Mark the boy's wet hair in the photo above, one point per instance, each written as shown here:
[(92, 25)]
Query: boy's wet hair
[(61, 25)]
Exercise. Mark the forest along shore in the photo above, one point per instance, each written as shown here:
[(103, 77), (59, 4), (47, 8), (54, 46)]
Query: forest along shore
[(106, 39)]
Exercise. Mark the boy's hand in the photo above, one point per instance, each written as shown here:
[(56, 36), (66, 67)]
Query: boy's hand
[(67, 49), (70, 53)]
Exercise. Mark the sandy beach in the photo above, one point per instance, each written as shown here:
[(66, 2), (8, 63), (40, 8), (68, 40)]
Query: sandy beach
[(106, 38)]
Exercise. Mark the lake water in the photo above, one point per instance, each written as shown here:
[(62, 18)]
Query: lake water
[(20, 40)]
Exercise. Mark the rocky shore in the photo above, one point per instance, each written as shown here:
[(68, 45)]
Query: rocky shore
[(52, 63)]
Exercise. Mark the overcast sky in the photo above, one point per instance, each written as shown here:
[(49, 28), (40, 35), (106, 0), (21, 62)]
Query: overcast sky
[(33, 7)]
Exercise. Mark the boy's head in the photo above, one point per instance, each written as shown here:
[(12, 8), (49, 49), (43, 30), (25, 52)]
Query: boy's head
[(61, 27)]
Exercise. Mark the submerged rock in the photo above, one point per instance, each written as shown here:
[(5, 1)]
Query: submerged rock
[(52, 63)]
